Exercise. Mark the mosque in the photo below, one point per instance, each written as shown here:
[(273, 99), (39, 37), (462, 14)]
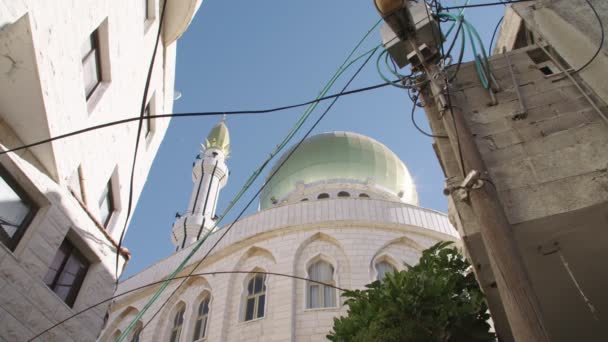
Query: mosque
[(342, 209)]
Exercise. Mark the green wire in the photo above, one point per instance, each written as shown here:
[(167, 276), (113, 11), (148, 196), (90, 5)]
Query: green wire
[(454, 24), (345, 65), (480, 65)]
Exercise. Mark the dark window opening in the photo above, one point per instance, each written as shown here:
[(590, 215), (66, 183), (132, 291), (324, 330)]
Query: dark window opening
[(16, 210), (66, 273), (546, 70), (146, 121), (106, 204), (364, 195), (323, 196), (343, 194), (304, 200), (91, 63)]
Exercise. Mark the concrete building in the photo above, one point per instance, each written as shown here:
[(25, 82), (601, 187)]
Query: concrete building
[(541, 134), (64, 66), (342, 209)]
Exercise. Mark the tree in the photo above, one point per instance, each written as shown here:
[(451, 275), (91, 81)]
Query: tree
[(436, 300)]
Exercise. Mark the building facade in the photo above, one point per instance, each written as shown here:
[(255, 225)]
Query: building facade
[(541, 133), (63, 204), (341, 210)]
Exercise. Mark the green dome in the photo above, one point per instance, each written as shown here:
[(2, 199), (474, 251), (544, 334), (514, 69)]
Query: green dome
[(339, 156), (219, 138)]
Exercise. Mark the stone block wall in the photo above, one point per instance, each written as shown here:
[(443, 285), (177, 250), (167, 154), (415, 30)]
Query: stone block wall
[(550, 169)]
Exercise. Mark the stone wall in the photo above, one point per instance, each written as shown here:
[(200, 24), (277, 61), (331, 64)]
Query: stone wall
[(550, 168), (42, 96)]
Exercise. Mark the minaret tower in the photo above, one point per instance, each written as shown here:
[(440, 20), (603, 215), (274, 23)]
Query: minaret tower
[(209, 174)]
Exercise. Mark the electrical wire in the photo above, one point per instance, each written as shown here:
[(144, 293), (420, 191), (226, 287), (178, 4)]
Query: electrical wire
[(486, 4), (602, 37), (226, 230), (196, 114), (494, 34), (418, 127), (138, 137), (447, 89), (177, 278)]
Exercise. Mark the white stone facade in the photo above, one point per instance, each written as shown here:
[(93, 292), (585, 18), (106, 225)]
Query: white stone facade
[(42, 95), (352, 234)]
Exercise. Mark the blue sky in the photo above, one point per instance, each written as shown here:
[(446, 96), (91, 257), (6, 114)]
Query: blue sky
[(239, 55)]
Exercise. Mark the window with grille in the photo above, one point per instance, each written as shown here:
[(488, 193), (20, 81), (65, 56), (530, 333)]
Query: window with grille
[(382, 268), (136, 337), (202, 317), (255, 300), (67, 272), (16, 210), (178, 323), (319, 295)]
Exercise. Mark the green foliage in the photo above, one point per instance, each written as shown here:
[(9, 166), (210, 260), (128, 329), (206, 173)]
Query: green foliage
[(436, 300)]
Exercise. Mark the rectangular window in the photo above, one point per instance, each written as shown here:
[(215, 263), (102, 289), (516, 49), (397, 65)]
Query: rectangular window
[(146, 121), (66, 273), (148, 124), (16, 210), (106, 204), (146, 10), (91, 63)]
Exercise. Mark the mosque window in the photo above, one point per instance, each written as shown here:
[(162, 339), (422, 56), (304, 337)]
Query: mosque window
[(364, 195), (304, 200), (202, 317), (136, 337), (343, 194), (178, 322), (319, 295), (323, 196), (382, 268), (255, 300)]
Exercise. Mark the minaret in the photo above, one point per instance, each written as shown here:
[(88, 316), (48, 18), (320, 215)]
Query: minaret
[(209, 174)]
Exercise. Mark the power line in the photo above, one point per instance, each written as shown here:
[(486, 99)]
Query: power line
[(418, 127), (504, 2), (177, 278), (494, 34), (138, 136), (226, 230), (602, 37), (196, 114)]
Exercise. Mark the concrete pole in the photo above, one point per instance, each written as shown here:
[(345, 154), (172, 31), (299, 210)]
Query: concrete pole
[(518, 297)]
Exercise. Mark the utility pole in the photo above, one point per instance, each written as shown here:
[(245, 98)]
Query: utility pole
[(518, 297)]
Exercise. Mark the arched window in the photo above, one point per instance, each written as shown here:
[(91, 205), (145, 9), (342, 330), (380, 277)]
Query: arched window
[(343, 194), (364, 195), (136, 337), (382, 268), (178, 322), (202, 317), (319, 295), (323, 196), (304, 200), (255, 300)]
